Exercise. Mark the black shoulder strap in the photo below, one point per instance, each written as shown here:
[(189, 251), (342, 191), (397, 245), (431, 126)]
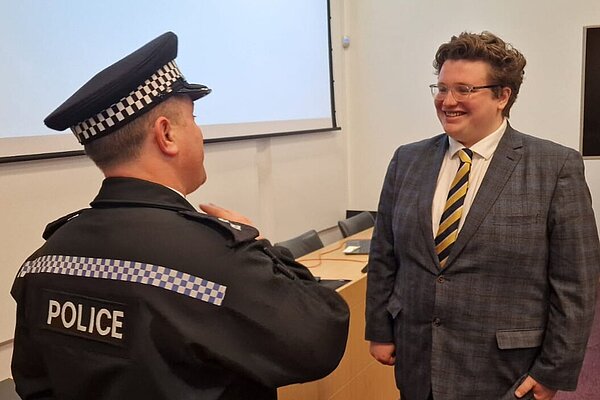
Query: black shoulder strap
[(55, 225), (239, 233)]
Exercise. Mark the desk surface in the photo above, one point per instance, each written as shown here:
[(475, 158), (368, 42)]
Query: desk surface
[(330, 262)]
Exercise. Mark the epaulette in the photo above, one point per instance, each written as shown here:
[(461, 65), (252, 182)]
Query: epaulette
[(238, 232), (55, 225)]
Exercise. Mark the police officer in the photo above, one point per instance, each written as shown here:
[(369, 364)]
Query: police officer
[(141, 296)]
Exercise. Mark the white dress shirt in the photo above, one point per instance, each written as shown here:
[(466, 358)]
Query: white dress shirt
[(483, 151)]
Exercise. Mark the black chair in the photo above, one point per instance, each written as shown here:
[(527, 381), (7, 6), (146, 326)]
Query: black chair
[(303, 244), (7, 390), (356, 223)]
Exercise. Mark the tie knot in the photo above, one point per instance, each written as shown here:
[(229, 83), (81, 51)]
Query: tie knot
[(465, 155)]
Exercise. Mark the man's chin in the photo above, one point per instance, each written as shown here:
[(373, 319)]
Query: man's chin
[(452, 131), (203, 180)]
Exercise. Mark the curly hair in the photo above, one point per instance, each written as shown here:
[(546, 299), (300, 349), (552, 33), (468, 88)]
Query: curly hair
[(507, 64)]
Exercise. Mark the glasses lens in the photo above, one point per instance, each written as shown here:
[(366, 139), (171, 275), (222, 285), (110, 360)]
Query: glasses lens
[(434, 90), (438, 91), (461, 92)]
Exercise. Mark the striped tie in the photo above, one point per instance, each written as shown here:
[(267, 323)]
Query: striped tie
[(448, 230)]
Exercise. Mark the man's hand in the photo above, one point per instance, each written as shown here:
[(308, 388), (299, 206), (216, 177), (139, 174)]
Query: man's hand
[(385, 353), (219, 212), (540, 392)]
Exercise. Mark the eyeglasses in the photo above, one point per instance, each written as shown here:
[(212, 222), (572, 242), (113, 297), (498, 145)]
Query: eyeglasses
[(459, 92)]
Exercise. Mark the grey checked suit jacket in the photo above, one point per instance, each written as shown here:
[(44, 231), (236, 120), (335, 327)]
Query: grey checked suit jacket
[(518, 291)]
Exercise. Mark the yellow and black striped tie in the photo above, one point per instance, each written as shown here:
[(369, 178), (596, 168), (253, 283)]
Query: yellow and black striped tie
[(448, 230)]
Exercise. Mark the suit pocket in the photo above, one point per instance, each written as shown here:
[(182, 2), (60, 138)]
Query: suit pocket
[(519, 338)]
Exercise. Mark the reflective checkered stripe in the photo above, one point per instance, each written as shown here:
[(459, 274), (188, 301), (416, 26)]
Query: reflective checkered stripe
[(159, 83), (128, 271)]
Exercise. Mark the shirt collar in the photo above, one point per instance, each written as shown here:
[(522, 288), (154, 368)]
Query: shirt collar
[(485, 147), (176, 191), (121, 191)]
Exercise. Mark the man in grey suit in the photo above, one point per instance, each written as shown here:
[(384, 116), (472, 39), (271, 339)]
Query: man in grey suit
[(482, 282)]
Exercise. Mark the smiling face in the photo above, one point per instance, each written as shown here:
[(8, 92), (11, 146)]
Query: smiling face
[(472, 119)]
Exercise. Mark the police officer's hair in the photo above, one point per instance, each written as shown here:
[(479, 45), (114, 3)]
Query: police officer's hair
[(507, 64), (125, 144)]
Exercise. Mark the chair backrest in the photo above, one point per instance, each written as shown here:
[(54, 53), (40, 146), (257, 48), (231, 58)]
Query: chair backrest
[(356, 223), (7, 390), (303, 244)]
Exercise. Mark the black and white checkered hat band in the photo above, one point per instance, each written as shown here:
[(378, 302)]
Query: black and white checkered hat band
[(159, 83)]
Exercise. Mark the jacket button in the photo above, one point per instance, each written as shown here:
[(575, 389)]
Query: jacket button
[(436, 322), (441, 279)]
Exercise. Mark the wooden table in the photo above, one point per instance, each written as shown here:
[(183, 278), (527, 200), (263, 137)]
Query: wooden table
[(359, 376)]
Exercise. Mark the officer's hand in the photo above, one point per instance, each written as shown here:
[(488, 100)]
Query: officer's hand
[(385, 353), (540, 392), (219, 212)]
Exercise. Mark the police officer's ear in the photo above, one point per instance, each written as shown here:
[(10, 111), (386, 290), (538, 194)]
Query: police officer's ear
[(165, 136)]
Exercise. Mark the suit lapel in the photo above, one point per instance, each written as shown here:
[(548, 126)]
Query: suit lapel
[(431, 167), (506, 157)]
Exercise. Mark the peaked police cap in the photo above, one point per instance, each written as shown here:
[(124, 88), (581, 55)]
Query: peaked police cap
[(124, 91)]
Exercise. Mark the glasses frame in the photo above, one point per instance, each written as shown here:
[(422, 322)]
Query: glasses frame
[(461, 97)]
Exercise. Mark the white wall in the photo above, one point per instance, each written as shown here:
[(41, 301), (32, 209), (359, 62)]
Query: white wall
[(390, 68)]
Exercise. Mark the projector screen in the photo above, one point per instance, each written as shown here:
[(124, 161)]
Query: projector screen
[(267, 61)]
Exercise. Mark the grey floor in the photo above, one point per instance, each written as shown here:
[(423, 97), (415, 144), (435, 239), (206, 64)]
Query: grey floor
[(589, 379)]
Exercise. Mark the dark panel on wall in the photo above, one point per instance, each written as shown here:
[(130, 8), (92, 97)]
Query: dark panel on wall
[(591, 93)]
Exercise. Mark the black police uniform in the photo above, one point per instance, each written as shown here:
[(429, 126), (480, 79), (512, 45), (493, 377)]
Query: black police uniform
[(142, 297)]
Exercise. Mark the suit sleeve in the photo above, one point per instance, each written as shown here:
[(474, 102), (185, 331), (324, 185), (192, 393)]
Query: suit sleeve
[(382, 264), (573, 264)]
